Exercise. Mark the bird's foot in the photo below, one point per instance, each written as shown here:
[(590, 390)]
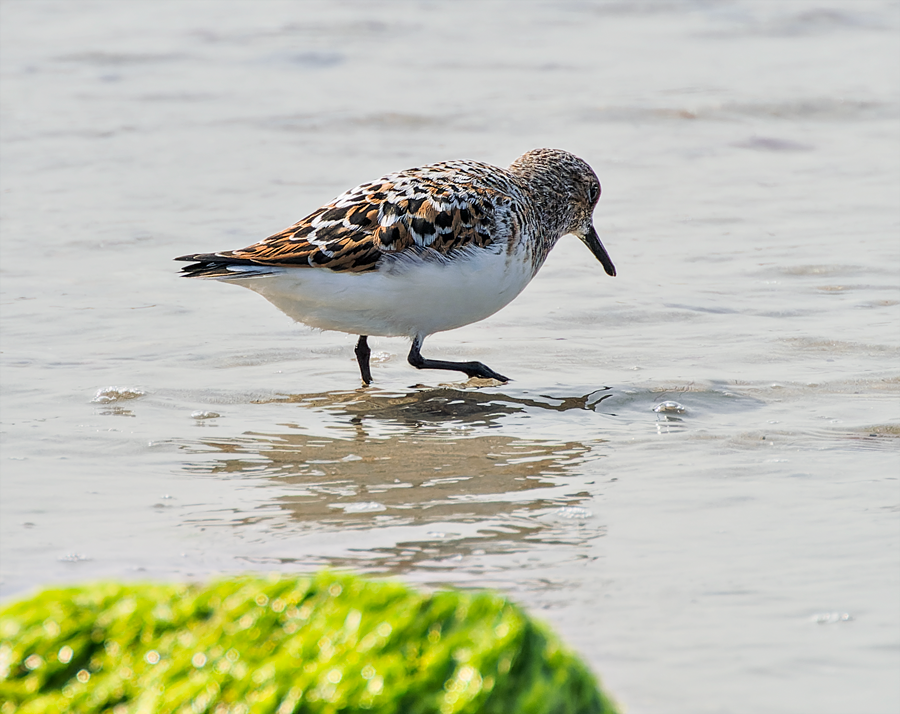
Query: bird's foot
[(481, 371)]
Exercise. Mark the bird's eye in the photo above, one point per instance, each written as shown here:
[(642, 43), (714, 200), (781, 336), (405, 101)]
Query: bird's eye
[(594, 193)]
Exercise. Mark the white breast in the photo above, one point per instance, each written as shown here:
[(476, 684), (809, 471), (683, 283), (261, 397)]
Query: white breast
[(408, 297)]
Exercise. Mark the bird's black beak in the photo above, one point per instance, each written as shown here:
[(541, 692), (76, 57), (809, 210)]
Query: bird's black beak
[(592, 241)]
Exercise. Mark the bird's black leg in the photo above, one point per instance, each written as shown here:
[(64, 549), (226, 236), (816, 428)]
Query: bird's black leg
[(362, 356), (472, 369)]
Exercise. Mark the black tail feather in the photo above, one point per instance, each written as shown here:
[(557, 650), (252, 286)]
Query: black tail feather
[(211, 265)]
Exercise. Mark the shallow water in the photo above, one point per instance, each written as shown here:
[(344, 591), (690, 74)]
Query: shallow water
[(733, 551)]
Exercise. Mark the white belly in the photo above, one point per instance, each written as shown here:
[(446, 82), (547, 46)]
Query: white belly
[(408, 299)]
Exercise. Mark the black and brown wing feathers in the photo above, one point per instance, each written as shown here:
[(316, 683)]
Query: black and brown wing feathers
[(433, 210)]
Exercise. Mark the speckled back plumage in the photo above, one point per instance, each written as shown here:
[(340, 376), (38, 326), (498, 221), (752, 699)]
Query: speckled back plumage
[(432, 213)]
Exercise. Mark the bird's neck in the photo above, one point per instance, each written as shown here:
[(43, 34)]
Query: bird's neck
[(551, 213)]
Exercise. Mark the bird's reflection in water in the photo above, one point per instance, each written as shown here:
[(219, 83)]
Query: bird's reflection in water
[(427, 465), (439, 406)]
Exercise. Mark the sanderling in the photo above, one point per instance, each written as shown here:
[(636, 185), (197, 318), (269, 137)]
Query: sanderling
[(420, 251)]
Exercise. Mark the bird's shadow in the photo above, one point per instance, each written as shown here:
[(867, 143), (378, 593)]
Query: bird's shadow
[(446, 405)]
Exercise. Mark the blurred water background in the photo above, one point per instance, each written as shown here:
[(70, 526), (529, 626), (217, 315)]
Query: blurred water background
[(693, 475)]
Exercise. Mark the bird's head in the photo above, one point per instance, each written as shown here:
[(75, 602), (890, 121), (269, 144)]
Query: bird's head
[(573, 187)]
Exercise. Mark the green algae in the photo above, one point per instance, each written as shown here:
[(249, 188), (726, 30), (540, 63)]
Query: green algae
[(328, 643)]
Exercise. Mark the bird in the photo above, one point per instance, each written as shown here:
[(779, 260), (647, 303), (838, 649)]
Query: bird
[(419, 251)]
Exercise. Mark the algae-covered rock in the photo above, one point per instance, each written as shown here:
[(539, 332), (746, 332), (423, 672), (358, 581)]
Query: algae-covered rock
[(329, 643)]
